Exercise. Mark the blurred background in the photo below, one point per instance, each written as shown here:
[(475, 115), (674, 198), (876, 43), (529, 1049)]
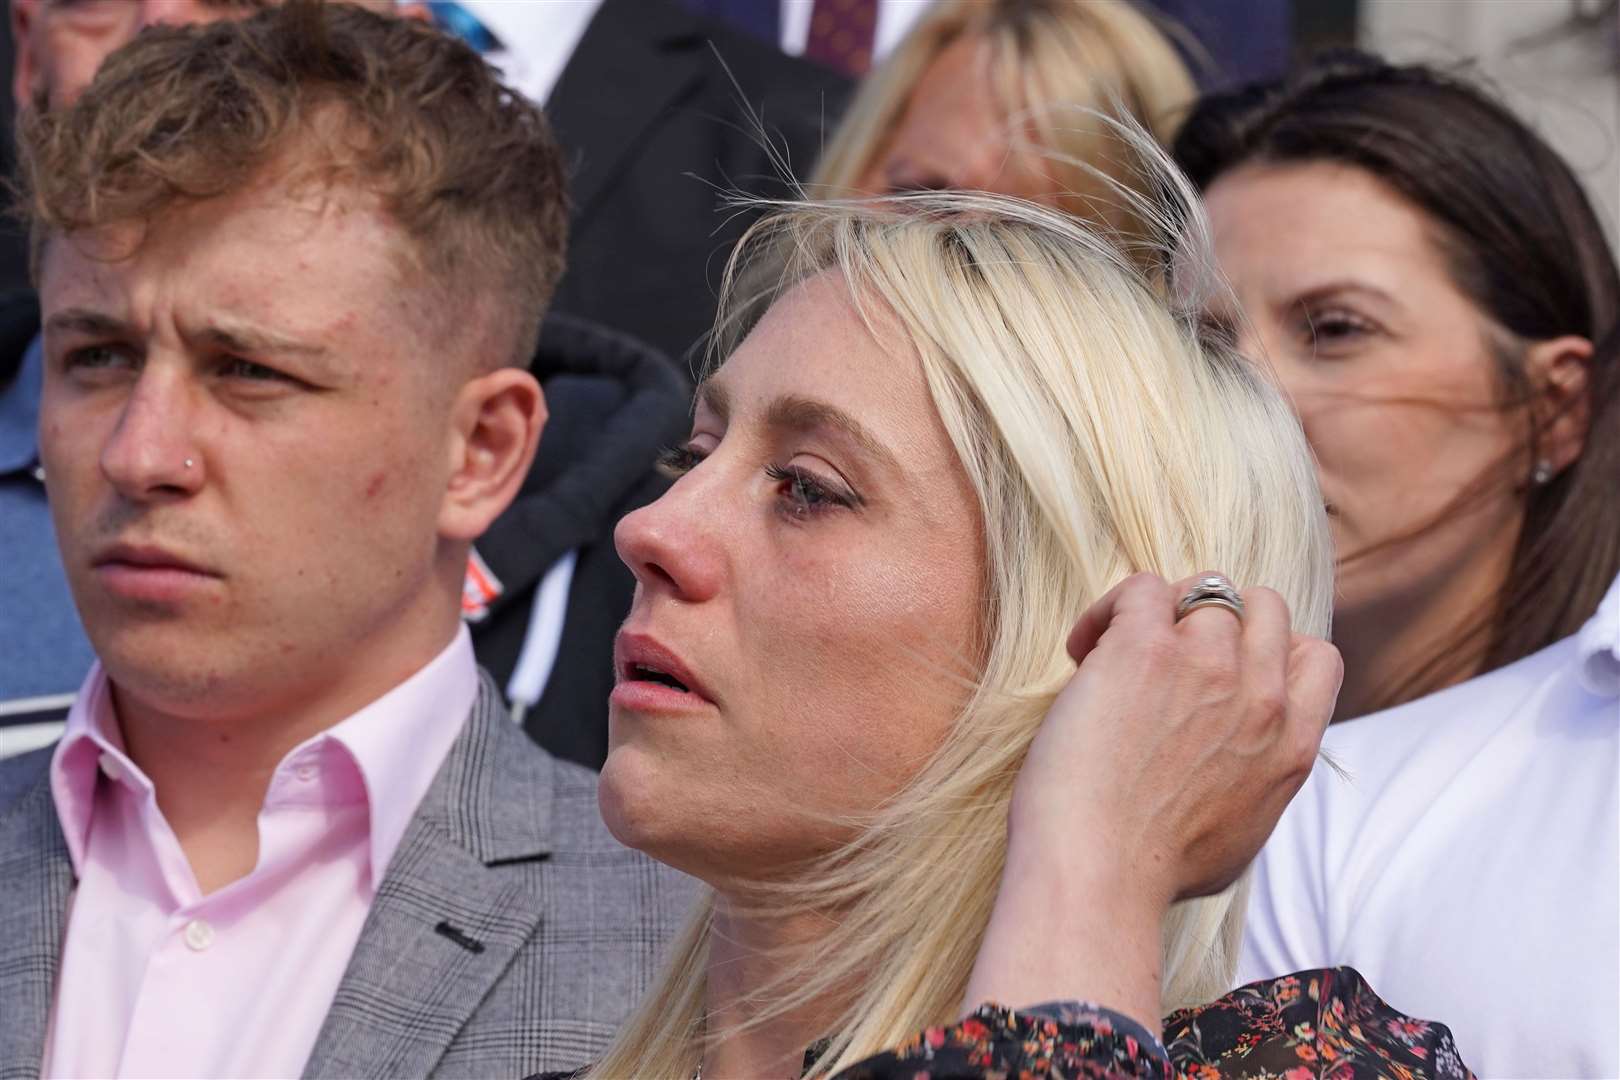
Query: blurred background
[(1556, 61)]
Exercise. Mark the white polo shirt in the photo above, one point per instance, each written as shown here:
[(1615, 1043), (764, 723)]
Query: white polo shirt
[(1470, 868)]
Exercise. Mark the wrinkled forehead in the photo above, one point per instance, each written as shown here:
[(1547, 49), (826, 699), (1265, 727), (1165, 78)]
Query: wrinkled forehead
[(323, 266)]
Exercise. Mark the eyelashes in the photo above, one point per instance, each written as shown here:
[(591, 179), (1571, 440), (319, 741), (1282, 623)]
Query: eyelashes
[(1331, 330), (803, 492), (809, 492), (676, 461)]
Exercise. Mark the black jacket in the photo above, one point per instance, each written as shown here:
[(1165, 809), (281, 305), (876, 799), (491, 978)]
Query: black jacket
[(613, 404), (654, 127)]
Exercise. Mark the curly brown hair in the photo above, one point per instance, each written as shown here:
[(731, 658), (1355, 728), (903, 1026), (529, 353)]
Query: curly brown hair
[(466, 167)]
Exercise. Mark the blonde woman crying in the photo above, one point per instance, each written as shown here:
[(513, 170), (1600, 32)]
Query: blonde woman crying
[(941, 427)]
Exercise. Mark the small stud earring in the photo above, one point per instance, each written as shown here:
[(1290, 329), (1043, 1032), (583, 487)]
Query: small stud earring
[(1542, 473)]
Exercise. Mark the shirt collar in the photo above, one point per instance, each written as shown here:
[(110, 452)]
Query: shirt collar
[(90, 735), (399, 741), (1598, 647), (19, 412), (397, 744)]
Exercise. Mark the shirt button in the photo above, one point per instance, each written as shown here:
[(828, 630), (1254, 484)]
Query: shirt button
[(199, 935), (305, 773), (110, 767)]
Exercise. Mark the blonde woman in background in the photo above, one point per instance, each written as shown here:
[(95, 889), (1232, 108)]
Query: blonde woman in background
[(1002, 96), (954, 420)]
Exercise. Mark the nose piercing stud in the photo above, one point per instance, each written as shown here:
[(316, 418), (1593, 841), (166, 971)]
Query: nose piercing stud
[(189, 463)]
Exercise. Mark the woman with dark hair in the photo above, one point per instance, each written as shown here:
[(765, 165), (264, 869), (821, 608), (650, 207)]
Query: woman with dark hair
[(1428, 278), (1437, 297)]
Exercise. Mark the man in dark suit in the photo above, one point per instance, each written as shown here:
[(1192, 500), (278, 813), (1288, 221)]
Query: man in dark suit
[(656, 109), (289, 300)]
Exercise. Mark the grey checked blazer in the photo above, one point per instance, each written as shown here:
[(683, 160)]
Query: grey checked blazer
[(510, 935)]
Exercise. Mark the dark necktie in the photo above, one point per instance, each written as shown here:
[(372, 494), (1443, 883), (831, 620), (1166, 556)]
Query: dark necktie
[(841, 35)]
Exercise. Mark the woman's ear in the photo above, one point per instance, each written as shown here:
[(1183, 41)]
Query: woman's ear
[(496, 422), (1559, 370)]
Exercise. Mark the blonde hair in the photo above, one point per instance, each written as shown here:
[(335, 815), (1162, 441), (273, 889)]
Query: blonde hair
[(1056, 62), (1103, 433)]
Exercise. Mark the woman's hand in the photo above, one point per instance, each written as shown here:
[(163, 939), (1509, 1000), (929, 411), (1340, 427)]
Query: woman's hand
[(1182, 741), (1157, 775)]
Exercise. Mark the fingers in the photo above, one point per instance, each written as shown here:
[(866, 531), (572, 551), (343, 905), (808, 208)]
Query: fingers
[(1211, 629), (1265, 656), (1312, 685), (1146, 602), (1285, 677), (1267, 632), (1141, 601), (1315, 671), (1212, 721)]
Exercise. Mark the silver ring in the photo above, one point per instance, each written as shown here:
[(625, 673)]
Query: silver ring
[(1211, 590)]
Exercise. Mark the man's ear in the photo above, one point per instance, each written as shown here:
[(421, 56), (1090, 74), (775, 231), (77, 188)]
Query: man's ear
[(496, 421), (25, 28), (1559, 371)]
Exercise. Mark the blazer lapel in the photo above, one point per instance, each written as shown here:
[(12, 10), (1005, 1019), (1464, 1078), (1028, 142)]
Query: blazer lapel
[(457, 902), (632, 64), (36, 879)]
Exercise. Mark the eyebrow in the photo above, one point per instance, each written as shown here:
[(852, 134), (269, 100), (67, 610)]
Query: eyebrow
[(791, 412), (240, 337), (716, 398), (226, 336), (799, 414), (85, 321), (1342, 285)]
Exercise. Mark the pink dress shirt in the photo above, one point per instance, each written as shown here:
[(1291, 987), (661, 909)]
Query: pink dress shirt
[(158, 980)]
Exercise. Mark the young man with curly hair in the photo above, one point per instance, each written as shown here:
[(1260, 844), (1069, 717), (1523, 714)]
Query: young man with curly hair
[(292, 271)]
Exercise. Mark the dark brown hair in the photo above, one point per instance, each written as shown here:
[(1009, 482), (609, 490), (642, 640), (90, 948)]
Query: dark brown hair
[(467, 168), (1524, 244)]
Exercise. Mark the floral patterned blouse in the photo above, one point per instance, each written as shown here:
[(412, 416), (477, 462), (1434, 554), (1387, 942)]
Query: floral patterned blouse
[(1324, 1023)]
